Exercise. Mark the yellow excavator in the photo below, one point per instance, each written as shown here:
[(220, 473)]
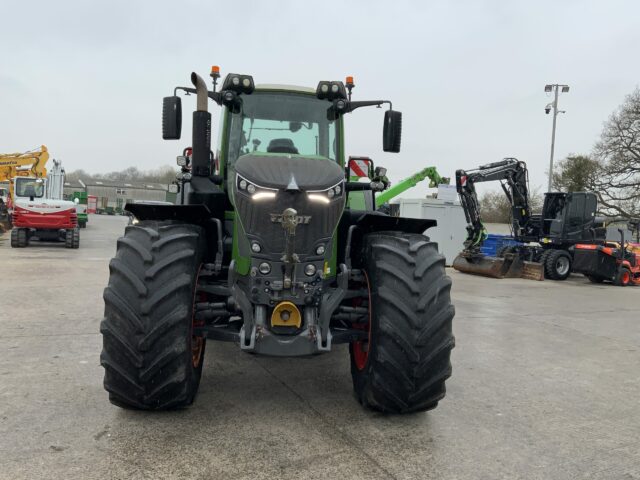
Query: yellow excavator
[(22, 164)]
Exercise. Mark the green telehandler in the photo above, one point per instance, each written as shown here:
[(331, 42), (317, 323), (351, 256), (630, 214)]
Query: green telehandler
[(382, 199), (270, 247)]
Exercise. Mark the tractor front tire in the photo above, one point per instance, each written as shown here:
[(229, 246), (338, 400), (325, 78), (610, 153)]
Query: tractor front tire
[(403, 366), (150, 357), (557, 265)]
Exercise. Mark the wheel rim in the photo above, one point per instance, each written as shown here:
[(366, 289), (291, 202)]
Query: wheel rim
[(361, 347), (626, 277), (197, 342), (562, 265)]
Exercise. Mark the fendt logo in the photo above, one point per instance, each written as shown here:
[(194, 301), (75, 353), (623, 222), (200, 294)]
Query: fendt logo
[(300, 219)]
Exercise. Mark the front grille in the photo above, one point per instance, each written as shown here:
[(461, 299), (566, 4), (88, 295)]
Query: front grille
[(256, 219)]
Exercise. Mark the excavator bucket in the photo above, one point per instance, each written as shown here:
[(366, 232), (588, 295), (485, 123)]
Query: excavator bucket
[(511, 266), (519, 268), (485, 266)]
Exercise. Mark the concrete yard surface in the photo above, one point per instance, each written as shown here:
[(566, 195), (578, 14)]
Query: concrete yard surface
[(545, 385)]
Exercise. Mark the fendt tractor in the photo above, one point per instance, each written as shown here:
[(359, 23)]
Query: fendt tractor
[(274, 250), (546, 241)]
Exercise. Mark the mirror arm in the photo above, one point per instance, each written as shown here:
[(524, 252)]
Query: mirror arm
[(357, 186), (215, 96), (367, 103)]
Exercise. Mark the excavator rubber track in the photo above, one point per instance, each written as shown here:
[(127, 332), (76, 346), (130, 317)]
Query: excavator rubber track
[(511, 266)]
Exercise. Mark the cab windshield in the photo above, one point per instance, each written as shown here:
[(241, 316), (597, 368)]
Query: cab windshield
[(29, 187), (277, 123)]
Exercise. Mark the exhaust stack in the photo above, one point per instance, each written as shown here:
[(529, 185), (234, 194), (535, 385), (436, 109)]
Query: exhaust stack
[(201, 134)]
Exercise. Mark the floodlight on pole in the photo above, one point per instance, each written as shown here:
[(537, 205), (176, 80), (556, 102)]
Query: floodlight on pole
[(556, 88)]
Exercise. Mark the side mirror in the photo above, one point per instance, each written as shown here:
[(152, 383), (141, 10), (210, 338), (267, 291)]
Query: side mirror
[(171, 118), (392, 131)]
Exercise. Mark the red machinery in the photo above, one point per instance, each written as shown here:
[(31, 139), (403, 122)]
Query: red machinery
[(617, 263), (43, 218)]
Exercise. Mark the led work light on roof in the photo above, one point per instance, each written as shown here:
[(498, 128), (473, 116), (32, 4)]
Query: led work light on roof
[(239, 83), (331, 90)]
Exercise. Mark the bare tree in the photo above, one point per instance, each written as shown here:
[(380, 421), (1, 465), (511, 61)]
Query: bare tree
[(618, 151)]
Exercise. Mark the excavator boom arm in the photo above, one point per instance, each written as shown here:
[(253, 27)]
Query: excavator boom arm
[(513, 177)]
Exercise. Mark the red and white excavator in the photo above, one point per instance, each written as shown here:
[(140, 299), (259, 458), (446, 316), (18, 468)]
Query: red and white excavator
[(36, 204)]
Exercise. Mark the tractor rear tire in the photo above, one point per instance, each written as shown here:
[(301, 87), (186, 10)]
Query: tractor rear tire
[(151, 359), (19, 238), (407, 357), (623, 277), (557, 265)]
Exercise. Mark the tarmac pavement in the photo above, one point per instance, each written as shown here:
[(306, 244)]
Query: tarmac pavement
[(545, 385)]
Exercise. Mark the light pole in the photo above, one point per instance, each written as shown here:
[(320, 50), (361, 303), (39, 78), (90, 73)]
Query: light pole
[(556, 88)]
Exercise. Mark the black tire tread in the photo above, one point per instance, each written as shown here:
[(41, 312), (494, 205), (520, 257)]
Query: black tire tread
[(550, 271), (19, 238), (146, 327), (412, 338), (618, 280)]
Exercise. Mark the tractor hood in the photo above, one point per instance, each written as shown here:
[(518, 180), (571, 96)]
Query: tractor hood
[(311, 186), (289, 172)]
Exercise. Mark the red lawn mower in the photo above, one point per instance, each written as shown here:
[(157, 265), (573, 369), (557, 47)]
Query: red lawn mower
[(617, 263)]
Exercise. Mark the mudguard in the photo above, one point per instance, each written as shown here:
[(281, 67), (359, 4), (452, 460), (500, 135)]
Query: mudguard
[(377, 222), (196, 214)]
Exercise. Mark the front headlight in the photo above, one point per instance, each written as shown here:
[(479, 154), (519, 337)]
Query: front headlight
[(326, 196), (256, 192)]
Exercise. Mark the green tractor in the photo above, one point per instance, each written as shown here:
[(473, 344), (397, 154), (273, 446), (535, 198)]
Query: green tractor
[(81, 208), (272, 247)]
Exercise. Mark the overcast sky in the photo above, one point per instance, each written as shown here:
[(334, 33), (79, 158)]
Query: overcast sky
[(87, 78)]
